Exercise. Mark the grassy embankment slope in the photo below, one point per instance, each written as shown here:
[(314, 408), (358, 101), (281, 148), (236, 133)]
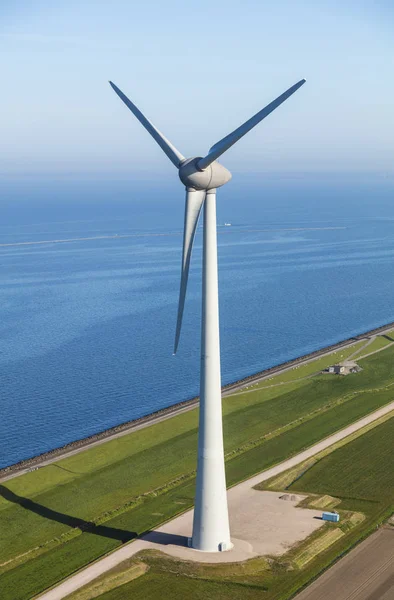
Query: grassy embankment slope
[(378, 343), (358, 477), (55, 520)]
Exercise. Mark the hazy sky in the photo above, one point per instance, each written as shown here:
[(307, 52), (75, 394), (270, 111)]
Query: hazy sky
[(197, 70)]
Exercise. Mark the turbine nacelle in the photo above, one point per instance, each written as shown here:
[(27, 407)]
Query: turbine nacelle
[(213, 176)]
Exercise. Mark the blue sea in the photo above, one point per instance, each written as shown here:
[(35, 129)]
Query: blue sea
[(87, 326)]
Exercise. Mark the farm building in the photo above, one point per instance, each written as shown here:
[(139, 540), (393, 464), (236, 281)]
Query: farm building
[(344, 368)]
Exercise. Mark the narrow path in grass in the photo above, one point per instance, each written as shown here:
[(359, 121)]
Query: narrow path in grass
[(266, 387), (359, 350), (90, 573), (375, 351)]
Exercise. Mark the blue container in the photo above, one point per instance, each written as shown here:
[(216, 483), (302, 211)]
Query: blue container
[(330, 516)]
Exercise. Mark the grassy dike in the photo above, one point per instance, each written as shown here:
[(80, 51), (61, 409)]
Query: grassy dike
[(56, 520)]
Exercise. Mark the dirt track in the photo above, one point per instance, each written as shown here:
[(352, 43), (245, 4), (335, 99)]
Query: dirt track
[(366, 573)]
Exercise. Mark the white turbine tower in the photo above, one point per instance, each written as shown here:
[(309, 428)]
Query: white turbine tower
[(201, 176)]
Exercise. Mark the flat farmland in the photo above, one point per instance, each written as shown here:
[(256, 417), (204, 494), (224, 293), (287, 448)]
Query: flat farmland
[(362, 470), (61, 517), (366, 573)]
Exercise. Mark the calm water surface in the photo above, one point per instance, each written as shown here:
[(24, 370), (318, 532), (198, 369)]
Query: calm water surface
[(87, 327)]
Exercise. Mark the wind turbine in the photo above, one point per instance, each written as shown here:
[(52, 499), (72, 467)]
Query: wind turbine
[(202, 176)]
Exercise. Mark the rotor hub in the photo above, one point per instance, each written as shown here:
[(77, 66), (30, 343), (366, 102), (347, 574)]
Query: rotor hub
[(212, 177)]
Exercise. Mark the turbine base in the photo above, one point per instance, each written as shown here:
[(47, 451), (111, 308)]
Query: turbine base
[(221, 547)]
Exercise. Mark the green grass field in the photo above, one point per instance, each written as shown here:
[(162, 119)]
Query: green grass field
[(169, 585), (361, 470), (113, 492), (359, 474), (311, 368), (381, 341)]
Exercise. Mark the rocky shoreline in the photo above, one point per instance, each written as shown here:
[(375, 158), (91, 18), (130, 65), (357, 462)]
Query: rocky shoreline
[(36, 461)]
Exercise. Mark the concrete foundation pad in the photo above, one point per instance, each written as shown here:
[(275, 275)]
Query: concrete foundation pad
[(260, 522), (240, 551)]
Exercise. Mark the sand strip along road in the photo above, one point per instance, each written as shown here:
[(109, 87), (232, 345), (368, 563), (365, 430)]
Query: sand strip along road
[(83, 577), (124, 429)]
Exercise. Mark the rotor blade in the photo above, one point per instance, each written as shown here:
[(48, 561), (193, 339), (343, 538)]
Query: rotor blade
[(194, 201), (224, 144), (173, 154)]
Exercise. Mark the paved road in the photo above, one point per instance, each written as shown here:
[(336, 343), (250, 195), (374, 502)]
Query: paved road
[(366, 573), (86, 575)]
